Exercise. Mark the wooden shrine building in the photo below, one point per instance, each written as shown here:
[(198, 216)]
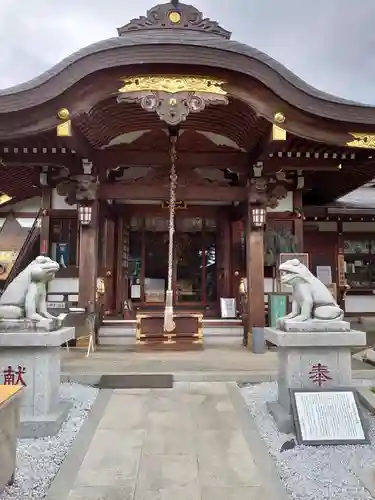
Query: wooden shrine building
[(172, 122)]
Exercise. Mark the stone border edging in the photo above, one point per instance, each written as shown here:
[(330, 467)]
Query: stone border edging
[(273, 485), (190, 376), (64, 480)]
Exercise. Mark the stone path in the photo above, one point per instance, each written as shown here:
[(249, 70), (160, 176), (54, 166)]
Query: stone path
[(184, 443)]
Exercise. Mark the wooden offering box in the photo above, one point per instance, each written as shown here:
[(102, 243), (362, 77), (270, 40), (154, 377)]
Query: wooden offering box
[(187, 335)]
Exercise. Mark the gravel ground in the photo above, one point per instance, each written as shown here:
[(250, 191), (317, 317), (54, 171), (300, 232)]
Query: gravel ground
[(38, 460), (310, 472)]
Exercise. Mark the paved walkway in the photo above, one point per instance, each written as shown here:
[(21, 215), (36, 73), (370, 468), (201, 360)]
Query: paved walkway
[(222, 359), (185, 443)]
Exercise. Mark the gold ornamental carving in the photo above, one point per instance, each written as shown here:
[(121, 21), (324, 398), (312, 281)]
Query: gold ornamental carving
[(360, 140), (64, 129), (278, 133), (172, 84), (173, 98)]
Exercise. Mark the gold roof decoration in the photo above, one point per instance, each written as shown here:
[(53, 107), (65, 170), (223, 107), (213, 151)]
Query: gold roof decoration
[(172, 84), (361, 140), (4, 198)]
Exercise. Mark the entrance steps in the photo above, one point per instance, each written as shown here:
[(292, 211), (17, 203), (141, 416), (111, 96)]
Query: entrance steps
[(114, 332)]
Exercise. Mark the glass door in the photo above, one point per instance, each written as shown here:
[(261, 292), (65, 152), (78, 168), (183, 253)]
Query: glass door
[(156, 259), (189, 255), (195, 261)]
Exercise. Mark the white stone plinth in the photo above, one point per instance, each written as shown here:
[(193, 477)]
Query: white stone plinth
[(38, 356), (299, 352)]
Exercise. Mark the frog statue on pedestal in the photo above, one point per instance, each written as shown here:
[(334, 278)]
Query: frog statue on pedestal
[(312, 302), (25, 297)]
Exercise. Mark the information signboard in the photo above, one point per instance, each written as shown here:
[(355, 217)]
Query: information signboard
[(327, 417), (228, 307)]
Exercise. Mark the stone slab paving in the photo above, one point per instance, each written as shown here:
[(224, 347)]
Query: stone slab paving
[(210, 359), (185, 443)]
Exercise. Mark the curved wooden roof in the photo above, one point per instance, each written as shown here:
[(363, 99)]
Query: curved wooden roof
[(319, 125), (194, 41)]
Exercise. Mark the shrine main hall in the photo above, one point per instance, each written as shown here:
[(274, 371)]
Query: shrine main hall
[(170, 169)]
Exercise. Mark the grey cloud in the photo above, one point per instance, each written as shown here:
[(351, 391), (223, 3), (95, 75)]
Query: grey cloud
[(330, 44)]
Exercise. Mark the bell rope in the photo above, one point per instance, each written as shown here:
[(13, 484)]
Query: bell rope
[(169, 324)]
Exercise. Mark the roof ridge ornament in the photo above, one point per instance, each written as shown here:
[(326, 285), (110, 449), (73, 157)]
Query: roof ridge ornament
[(174, 15), (173, 98)]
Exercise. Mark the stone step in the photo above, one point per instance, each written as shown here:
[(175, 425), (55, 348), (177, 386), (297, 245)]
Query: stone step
[(215, 331)]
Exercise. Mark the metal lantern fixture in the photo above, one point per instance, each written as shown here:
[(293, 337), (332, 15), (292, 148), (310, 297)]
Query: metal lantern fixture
[(258, 216), (85, 214)]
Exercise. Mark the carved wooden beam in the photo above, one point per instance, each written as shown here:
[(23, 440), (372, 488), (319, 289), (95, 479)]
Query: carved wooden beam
[(267, 191), (112, 190), (122, 156), (78, 189)]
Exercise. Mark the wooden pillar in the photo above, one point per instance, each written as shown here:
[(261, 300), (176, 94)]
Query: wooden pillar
[(88, 259), (340, 269), (108, 252), (254, 274), (46, 221), (119, 267), (236, 264), (224, 255), (298, 220), (248, 322)]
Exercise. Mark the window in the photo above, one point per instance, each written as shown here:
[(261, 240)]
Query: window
[(359, 256), (63, 238)]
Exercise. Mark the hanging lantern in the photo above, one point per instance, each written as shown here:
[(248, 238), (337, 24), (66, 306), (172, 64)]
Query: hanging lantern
[(258, 215), (85, 214)]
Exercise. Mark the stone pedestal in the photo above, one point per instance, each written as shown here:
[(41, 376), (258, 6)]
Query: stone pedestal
[(33, 359), (309, 360)]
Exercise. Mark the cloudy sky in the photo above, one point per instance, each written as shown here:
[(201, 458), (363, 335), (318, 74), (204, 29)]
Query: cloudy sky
[(328, 43)]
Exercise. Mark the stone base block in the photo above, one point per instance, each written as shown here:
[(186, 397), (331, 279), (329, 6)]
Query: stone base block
[(314, 325), (310, 339), (44, 425), (33, 360), (26, 325), (283, 419), (313, 360)]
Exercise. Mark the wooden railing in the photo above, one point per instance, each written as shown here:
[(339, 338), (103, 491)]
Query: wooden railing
[(27, 246)]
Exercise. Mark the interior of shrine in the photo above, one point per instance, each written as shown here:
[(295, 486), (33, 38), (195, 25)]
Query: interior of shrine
[(168, 188)]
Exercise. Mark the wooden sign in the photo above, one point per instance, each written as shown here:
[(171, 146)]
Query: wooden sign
[(341, 270), (278, 306), (7, 391), (179, 205), (327, 417)]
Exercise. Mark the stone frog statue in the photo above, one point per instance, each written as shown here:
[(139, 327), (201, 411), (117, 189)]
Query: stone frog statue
[(25, 296), (311, 298)]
